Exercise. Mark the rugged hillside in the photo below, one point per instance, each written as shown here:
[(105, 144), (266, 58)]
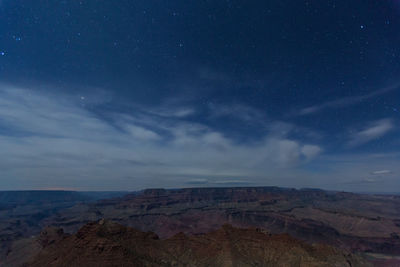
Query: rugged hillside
[(22, 212), (110, 244), (352, 221)]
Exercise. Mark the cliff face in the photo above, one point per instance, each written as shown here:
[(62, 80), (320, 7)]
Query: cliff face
[(22, 213), (353, 222), (110, 244), (350, 221)]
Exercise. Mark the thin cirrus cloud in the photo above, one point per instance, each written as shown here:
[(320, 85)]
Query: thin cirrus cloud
[(381, 172), (238, 111), (54, 141), (373, 131), (345, 101)]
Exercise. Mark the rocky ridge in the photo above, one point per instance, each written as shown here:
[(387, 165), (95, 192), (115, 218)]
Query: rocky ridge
[(106, 243)]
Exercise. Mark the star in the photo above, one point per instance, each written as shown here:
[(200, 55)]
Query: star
[(2, 53), (362, 26)]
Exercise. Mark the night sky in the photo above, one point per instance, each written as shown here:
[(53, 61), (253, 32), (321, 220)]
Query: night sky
[(126, 95)]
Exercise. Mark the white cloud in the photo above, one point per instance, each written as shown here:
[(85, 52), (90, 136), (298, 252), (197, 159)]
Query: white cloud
[(373, 131), (231, 182), (310, 151), (50, 141), (141, 133), (345, 101), (170, 112), (381, 172)]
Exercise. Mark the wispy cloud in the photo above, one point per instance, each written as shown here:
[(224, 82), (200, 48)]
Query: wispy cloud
[(241, 112), (345, 101), (365, 172), (381, 172), (54, 141), (373, 131), (168, 111)]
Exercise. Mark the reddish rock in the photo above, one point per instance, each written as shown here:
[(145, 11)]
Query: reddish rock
[(111, 244)]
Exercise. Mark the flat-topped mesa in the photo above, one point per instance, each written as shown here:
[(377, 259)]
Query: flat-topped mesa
[(159, 197), (207, 194)]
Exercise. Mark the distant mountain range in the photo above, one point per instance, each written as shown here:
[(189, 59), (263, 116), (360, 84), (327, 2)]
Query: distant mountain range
[(361, 224)]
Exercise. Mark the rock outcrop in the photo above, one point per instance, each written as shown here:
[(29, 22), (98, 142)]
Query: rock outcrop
[(105, 243)]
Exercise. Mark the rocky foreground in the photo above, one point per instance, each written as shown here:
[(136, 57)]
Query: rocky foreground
[(106, 243)]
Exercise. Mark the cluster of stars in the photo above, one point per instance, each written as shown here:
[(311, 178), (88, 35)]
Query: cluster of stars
[(14, 37)]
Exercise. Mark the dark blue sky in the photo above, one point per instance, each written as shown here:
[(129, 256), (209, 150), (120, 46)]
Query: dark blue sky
[(109, 95)]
